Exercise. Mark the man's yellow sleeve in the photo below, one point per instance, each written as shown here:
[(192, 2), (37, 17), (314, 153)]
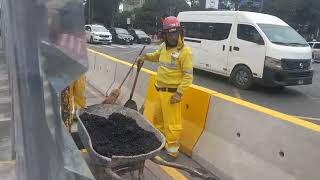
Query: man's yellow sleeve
[(187, 70), (154, 57)]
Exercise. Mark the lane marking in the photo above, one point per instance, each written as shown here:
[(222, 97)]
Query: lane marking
[(119, 46), (308, 118), (276, 114), (137, 50), (176, 175), (8, 162), (109, 46)]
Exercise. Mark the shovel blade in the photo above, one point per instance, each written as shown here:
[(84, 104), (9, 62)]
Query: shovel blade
[(131, 104)]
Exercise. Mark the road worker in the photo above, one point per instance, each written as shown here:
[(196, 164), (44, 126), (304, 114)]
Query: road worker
[(174, 76)]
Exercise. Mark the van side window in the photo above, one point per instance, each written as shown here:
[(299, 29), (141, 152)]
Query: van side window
[(247, 33), (209, 31), (192, 30), (221, 31)]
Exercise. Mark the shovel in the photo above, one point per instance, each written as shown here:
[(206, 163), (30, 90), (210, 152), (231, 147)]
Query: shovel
[(131, 103), (113, 96), (125, 78)]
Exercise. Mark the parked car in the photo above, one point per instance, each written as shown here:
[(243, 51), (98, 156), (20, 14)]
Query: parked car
[(315, 46), (121, 36), (140, 36), (97, 34), (248, 47)]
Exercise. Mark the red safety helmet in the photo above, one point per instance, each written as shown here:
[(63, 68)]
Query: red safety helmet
[(171, 24)]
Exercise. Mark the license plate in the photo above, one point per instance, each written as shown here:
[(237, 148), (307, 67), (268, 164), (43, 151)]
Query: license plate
[(300, 82), (127, 40)]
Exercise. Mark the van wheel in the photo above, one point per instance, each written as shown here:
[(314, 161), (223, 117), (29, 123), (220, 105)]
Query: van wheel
[(242, 77)]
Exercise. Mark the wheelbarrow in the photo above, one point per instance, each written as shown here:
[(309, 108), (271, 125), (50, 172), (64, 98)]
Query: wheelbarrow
[(116, 166)]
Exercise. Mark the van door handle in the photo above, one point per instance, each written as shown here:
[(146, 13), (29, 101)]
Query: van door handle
[(236, 48), (230, 48), (223, 47)]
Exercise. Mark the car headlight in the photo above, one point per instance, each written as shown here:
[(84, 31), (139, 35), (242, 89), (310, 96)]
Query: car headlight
[(273, 63)]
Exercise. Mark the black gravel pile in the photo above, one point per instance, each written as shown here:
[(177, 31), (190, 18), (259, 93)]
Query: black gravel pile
[(118, 135)]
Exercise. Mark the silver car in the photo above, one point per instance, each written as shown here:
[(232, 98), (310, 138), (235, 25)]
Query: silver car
[(315, 46)]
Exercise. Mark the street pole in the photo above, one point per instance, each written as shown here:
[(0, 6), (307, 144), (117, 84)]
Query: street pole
[(90, 12)]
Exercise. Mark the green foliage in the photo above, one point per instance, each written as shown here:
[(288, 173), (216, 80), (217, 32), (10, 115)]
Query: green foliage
[(102, 11), (148, 17)]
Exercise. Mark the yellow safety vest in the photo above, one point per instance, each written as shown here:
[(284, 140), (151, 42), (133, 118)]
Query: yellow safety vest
[(175, 68)]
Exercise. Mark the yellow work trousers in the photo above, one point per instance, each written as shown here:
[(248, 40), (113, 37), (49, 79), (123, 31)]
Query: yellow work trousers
[(167, 118), (73, 95)]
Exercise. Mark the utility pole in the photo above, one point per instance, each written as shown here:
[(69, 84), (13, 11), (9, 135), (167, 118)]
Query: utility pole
[(90, 12)]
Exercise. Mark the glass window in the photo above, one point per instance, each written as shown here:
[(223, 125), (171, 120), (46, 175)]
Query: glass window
[(99, 29), (88, 28), (139, 32), (192, 30), (121, 31), (206, 31), (316, 46), (221, 31), (248, 33), (210, 31), (283, 35)]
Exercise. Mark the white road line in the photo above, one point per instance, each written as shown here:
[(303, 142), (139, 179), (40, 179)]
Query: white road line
[(94, 45), (109, 46), (119, 46), (308, 118)]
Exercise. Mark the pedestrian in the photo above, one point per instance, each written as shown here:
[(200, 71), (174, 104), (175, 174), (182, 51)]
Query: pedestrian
[(174, 76)]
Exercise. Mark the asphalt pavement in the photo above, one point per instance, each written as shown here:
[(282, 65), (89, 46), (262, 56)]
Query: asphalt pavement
[(300, 101)]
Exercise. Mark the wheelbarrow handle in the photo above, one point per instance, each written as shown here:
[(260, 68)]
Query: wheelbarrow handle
[(193, 172)]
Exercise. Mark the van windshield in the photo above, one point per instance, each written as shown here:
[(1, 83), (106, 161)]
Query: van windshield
[(283, 35)]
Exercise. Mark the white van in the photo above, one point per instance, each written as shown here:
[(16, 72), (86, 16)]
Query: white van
[(247, 47)]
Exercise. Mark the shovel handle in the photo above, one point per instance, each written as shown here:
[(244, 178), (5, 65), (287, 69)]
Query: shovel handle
[(135, 81), (127, 75)]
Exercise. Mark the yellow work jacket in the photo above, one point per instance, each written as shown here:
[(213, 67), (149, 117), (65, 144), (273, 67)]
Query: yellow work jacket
[(175, 66)]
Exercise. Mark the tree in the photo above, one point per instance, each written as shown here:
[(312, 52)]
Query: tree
[(198, 4), (102, 11), (302, 15), (148, 17)]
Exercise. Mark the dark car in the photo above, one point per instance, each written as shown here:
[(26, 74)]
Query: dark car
[(140, 36), (121, 36)]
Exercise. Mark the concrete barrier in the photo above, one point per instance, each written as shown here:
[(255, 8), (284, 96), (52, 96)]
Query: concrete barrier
[(244, 141), (106, 73), (230, 137)]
